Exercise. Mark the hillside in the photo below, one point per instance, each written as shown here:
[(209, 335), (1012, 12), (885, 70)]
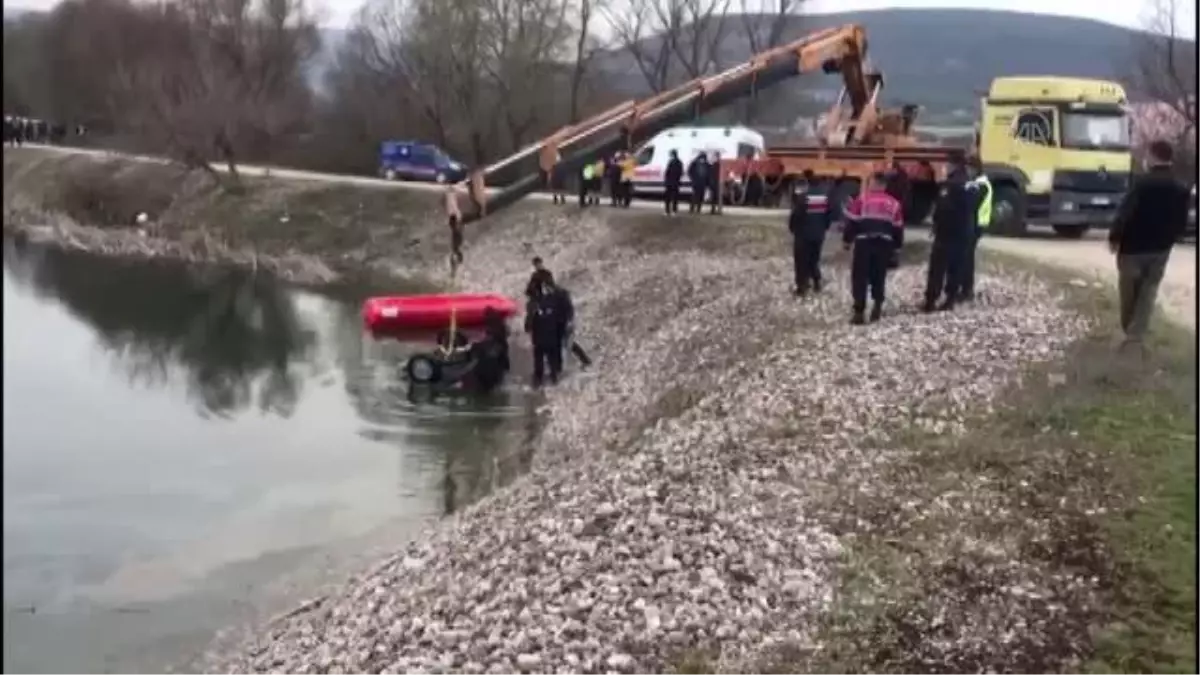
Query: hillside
[(939, 58)]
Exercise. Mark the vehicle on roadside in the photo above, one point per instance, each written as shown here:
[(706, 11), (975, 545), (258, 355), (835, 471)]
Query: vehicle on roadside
[(689, 142), (1191, 229), (417, 161)]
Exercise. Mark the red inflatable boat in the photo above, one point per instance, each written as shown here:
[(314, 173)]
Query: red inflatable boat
[(432, 312)]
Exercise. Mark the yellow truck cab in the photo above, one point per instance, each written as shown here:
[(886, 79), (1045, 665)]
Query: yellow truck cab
[(1057, 150)]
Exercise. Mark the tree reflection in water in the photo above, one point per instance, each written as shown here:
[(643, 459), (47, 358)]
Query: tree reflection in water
[(232, 335)]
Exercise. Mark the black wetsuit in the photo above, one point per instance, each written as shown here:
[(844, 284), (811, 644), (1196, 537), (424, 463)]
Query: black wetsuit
[(545, 328)]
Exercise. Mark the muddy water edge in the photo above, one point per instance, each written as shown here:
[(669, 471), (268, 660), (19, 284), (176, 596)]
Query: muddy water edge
[(192, 444)]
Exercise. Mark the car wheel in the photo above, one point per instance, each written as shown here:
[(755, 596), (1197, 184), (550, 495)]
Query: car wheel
[(389, 175), (1071, 231), (439, 178), (423, 369)]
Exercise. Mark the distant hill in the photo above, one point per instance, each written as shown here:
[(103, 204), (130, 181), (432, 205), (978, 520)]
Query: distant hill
[(941, 58)]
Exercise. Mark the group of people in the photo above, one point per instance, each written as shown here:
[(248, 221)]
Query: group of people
[(613, 175), (872, 227), (704, 178), (19, 130)]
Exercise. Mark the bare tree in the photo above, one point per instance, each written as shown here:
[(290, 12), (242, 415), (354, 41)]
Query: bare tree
[(1164, 69), (671, 40), (218, 78), (766, 24), (586, 47)]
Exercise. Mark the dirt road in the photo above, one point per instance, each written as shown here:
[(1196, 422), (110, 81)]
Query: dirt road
[(1092, 257)]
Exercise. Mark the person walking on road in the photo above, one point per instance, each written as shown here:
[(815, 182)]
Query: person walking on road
[(672, 177), (874, 228), (953, 226), (965, 292), (808, 223), (1149, 221)]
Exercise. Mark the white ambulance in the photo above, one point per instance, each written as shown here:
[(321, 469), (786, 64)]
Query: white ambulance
[(688, 142)]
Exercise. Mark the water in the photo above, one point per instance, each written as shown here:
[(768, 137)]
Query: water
[(182, 445)]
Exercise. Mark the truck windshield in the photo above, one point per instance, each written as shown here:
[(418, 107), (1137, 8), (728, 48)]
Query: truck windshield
[(1095, 131)]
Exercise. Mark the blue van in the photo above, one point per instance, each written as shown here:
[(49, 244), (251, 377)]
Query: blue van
[(413, 160)]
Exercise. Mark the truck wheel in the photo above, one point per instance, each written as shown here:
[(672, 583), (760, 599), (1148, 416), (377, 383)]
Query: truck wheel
[(1008, 212), (423, 369), (1071, 231)]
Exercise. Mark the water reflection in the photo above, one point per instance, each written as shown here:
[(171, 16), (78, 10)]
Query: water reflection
[(136, 526), (235, 335)]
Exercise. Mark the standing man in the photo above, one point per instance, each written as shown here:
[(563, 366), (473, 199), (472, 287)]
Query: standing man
[(698, 177), (612, 174), (555, 179), (544, 325), (874, 228), (628, 167), (953, 226), (672, 177), (585, 184), (808, 223), (982, 188), (715, 182), (454, 220), (1150, 220)]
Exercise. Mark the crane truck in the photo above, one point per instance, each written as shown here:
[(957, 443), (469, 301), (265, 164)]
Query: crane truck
[(1055, 148)]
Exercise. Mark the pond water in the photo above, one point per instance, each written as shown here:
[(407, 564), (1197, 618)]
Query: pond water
[(185, 448)]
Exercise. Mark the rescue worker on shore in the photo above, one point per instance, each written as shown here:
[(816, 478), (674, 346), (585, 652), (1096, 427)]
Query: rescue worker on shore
[(566, 314), (672, 177), (953, 227), (597, 181), (874, 228), (808, 223), (628, 167), (555, 179), (585, 184), (454, 221), (715, 178), (612, 175), (698, 177), (965, 292), (539, 276), (544, 326)]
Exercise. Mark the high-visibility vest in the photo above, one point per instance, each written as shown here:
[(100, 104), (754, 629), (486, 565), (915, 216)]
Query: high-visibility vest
[(984, 215), (587, 171)]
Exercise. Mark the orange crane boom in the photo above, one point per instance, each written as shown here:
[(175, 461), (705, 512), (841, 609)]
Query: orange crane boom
[(833, 50)]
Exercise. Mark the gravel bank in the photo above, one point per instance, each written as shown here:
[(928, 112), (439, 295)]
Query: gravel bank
[(684, 493)]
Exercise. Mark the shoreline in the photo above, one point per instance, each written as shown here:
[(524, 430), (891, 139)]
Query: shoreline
[(723, 490)]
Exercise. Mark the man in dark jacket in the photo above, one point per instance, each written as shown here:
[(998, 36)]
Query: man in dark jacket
[(672, 177), (698, 176), (715, 183), (1149, 222), (808, 223), (953, 229), (874, 228), (543, 322)]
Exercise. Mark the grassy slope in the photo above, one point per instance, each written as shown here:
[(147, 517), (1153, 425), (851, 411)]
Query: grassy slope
[(1095, 463)]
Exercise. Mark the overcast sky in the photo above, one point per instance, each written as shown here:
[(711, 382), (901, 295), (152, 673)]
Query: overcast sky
[(1131, 13)]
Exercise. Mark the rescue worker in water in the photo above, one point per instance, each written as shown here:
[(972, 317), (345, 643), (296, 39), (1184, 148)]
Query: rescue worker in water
[(808, 223), (544, 323), (874, 229)]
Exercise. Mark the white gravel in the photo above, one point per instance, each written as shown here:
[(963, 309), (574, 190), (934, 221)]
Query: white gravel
[(679, 498)]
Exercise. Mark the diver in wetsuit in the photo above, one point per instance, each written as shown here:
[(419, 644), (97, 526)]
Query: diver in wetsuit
[(545, 327), (491, 353)]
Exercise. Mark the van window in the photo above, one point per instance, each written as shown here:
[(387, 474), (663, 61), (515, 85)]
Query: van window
[(645, 155), (422, 155), (746, 151)]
